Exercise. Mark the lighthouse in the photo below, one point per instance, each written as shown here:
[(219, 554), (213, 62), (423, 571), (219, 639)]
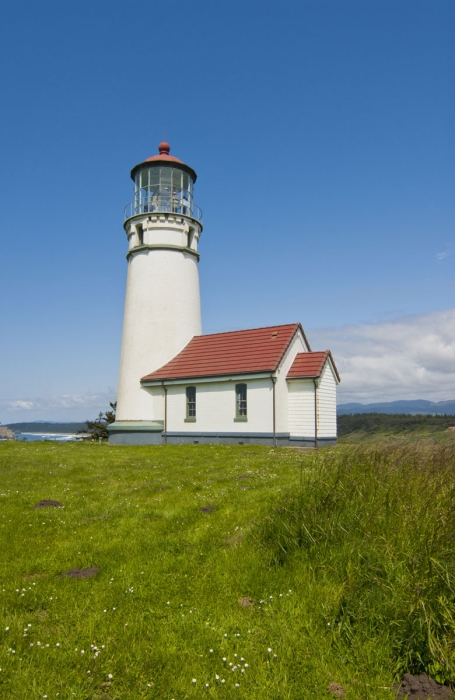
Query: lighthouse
[(262, 386), (162, 305)]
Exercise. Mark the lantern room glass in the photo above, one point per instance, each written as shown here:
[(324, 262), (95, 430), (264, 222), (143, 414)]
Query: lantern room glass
[(164, 189)]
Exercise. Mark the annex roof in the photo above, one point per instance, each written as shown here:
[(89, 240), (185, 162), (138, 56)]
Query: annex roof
[(236, 352), (309, 365)]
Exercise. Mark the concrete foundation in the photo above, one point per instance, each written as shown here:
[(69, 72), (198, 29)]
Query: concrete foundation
[(136, 433)]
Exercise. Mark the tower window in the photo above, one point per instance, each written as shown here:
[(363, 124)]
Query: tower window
[(240, 402), (140, 234), (191, 402)]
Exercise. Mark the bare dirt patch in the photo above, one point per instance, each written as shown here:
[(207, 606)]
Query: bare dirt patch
[(246, 602), (30, 577), (336, 690), (82, 573), (422, 688), (48, 503), (234, 539), (208, 509)]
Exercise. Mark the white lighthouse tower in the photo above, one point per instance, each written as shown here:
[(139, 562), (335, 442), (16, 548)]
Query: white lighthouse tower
[(162, 305)]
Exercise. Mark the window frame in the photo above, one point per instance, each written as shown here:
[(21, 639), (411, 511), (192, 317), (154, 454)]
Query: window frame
[(240, 416), (190, 404)]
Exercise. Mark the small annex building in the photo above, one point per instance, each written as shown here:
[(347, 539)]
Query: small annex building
[(176, 385)]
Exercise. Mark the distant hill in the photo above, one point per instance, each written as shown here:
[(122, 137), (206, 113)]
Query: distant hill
[(418, 407), (393, 424), (42, 427)]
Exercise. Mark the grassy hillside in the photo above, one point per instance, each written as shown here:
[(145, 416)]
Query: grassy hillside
[(367, 426), (224, 571)]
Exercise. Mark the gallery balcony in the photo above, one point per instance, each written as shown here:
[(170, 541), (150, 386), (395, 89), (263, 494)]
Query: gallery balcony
[(163, 203)]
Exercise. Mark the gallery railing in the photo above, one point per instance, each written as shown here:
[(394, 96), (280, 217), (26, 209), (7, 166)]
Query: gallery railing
[(170, 204)]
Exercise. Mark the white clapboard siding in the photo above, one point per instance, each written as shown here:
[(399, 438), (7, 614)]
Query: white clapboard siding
[(216, 406), (327, 403), (301, 408)]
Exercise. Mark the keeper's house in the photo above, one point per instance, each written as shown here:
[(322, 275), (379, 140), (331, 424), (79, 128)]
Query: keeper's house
[(260, 386)]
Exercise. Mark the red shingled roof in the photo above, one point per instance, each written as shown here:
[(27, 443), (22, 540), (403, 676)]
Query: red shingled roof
[(308, 365), (237, 352)]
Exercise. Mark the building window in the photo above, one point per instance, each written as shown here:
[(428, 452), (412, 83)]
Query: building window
[(190, 403), (240, 402)]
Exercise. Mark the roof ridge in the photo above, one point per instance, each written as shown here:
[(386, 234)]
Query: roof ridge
[(244, 330)]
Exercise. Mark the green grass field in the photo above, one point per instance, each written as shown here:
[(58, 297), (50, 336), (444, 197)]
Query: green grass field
[(313, 568)]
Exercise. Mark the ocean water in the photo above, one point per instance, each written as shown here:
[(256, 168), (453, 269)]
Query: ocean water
[(56, 437)]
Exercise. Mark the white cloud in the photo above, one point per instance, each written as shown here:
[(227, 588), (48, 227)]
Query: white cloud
[(409, 358), (63, 408), (444, 254), (18, 405)]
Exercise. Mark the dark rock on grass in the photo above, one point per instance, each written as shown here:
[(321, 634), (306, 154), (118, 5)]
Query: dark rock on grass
[(336, 690), (422, 688), (82, 573), (48, 503), (208, 509)]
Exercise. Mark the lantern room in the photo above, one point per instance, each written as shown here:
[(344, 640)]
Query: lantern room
[(163, 184)]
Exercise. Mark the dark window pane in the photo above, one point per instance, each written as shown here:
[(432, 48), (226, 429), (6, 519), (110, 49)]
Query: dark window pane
[(241, 403), (154, 177), (144, 178), (176, 179), (191, 402)]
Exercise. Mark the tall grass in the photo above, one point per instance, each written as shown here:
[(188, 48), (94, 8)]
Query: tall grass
[(379, 525)]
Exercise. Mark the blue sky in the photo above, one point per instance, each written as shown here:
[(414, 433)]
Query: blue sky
[(322, 135)]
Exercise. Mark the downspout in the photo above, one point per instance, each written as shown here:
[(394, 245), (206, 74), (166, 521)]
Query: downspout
[(165, 413), (315, 382), (274, 409)]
